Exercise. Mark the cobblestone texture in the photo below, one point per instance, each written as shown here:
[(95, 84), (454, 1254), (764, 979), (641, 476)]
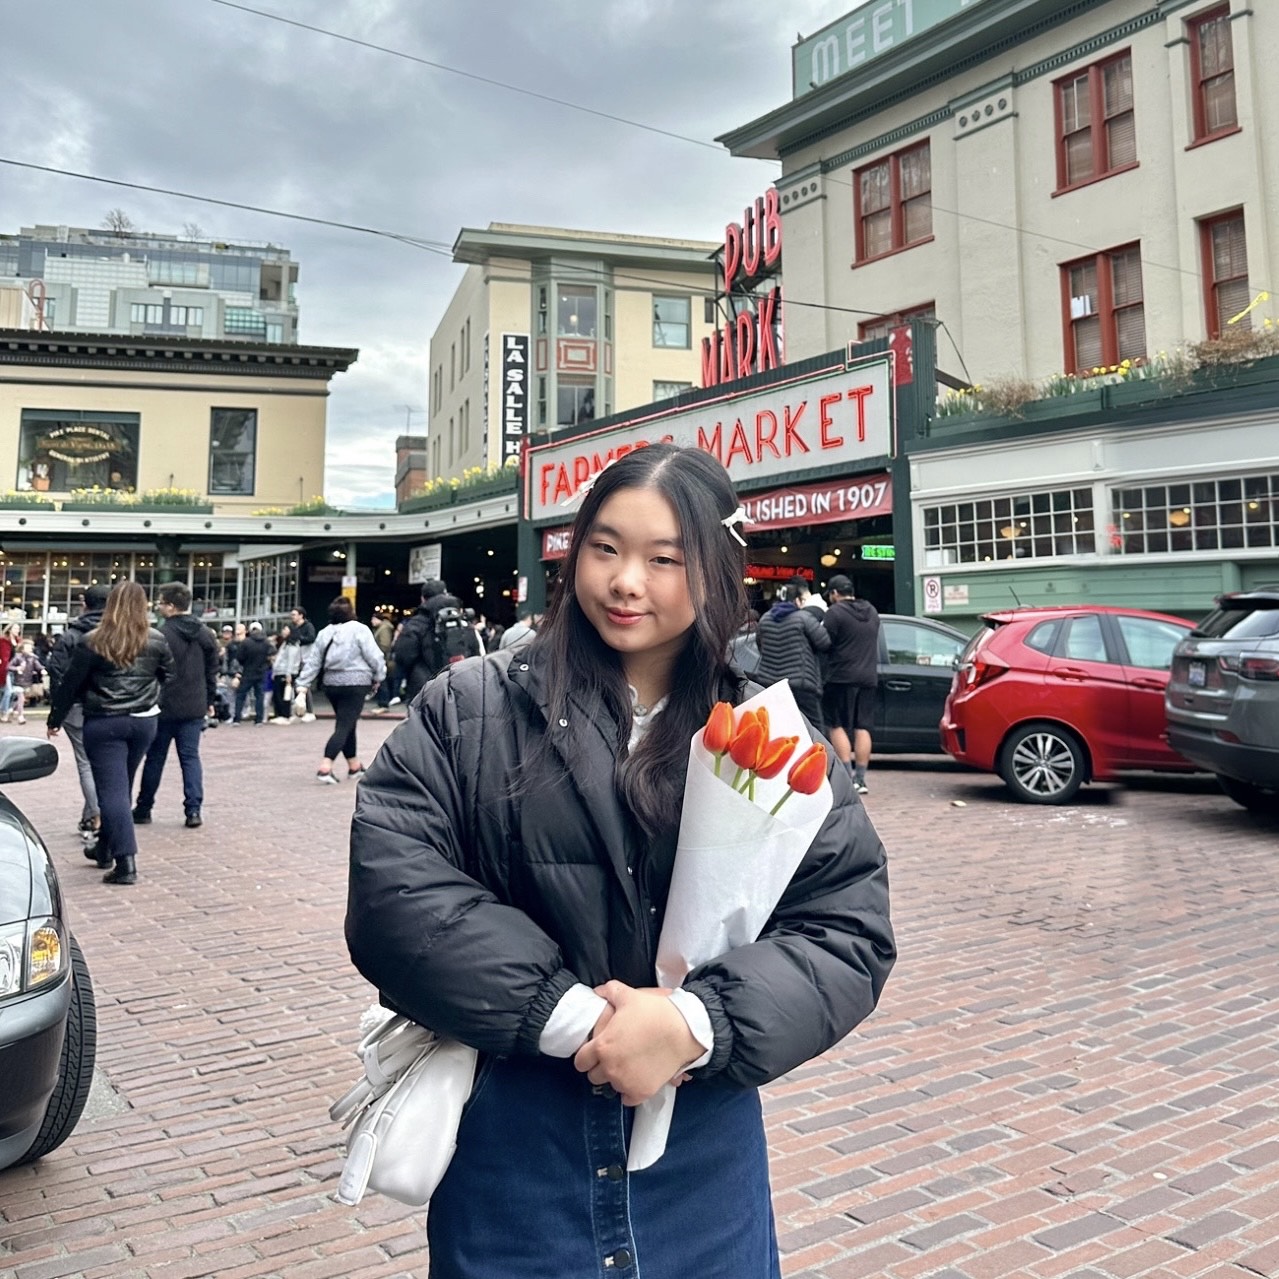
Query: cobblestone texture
[(1072, 1073)]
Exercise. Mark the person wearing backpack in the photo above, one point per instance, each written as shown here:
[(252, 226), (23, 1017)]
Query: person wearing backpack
[(419, 653)]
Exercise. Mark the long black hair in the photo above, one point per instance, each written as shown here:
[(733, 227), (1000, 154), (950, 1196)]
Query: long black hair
[(702, 497)]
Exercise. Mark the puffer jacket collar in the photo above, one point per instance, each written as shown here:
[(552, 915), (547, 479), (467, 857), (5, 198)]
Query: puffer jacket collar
[(585, 740)]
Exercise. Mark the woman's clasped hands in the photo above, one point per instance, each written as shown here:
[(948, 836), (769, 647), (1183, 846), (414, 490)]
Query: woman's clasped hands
[(640, 1042)]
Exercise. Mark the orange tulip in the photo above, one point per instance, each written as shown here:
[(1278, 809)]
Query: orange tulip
[(746, 744), (806, 774), (762, 715), (718, 732), (775, 756)]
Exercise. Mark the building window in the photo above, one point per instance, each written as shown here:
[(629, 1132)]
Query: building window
[(1229, 514), (672, 322), (1106, 317), (669, 390), (146, 313), (244, 321), (1096, 128), (274, 330), (64, 449), (575, 401), (191, 317), (1212, 70), (1225, 259), (233, 447), (882, 325), (1026, 526), (894, 202), (575, 313)]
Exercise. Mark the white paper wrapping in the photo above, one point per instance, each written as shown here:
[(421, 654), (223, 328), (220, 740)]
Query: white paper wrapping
[(732, 864)]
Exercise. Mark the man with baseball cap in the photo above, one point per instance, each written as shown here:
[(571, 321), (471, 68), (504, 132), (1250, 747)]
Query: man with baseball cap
[(852, 675)]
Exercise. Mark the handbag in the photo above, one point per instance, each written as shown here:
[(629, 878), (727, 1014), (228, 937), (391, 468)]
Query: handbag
[(402, 1117), (287, 695)]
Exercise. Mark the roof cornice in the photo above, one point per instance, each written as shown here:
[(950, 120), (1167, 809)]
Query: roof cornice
[(474, 247), (171, 354)]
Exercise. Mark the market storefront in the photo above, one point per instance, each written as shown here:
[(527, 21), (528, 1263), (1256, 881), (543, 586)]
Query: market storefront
[(812, 450)]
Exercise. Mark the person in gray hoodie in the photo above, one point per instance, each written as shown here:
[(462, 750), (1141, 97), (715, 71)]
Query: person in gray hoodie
[(185, 700)]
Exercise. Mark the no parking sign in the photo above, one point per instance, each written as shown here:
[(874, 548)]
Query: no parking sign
[(932, 595)]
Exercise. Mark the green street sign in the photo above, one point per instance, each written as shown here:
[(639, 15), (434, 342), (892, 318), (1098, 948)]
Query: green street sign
[(878, 551), (872, 29)]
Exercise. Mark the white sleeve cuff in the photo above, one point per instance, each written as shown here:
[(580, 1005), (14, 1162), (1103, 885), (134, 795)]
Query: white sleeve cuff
[(699, 1023), (570, 1024)]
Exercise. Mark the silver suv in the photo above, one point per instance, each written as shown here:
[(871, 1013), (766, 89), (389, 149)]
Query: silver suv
[(1223, 697)]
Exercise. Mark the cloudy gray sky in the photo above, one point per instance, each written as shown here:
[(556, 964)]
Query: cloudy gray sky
[(200, 97)]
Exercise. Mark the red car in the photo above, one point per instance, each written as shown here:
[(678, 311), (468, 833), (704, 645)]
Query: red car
[(1050, 698)]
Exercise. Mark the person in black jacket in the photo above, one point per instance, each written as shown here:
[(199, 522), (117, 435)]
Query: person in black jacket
[(92, 601), (417, 653), (185, 701), (253, 654), (790, 639), (116, 672), (852, 676), (511, 854)]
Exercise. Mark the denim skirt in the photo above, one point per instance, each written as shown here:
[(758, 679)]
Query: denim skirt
[(538, 1188)]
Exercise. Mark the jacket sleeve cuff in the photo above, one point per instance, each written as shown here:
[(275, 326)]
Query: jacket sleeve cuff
[(721, 1028), (539, 1012)]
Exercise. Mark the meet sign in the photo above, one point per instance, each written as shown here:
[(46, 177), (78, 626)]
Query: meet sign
[(871, 30), (839, 418)]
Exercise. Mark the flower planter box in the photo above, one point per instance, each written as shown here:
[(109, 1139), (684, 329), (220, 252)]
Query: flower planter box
[(428, 502), (477, 492), (140, 508)]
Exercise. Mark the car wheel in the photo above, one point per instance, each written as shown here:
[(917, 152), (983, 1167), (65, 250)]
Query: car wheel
[(75, 1070), (1042, 764), (1256, 799)]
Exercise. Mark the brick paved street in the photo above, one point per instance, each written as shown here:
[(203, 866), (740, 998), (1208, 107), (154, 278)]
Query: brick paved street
[(1073, 1073)]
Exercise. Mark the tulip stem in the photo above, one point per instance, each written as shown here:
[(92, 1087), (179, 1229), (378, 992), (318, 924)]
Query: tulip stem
[(737, 777), (719, 759), (773, 811)]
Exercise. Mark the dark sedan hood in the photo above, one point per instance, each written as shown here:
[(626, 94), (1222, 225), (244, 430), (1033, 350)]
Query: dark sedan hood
[(28, 885)]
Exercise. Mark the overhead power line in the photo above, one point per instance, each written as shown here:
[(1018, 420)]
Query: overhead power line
[(470, 75)]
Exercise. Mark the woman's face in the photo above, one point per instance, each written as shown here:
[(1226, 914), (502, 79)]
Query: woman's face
[(631, 581)]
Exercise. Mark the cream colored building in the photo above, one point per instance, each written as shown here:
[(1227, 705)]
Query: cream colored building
[(1060, 185), (551, 328)]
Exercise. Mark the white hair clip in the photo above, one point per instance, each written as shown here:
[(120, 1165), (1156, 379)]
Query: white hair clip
[(586, 485), (739, 516)]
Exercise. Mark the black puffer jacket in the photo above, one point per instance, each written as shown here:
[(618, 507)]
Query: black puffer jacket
[(194, 686), (106, 689), (789, 639), (479, 895)]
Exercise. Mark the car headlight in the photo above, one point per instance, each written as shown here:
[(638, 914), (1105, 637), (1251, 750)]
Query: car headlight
[(32, 954)]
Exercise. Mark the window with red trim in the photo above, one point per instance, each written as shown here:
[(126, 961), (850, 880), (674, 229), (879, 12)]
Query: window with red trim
[(1104, 309), (1096, 123), (1212, 74), (1225, 270), (894, 202), (882, 325)]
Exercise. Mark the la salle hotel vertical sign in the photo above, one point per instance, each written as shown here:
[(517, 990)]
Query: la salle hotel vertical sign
[(515, 393)]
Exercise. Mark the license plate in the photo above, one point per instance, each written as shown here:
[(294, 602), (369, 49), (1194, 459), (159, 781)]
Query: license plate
[(1198, 675)]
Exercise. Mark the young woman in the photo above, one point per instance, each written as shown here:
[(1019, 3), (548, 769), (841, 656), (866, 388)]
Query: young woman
[(10, 641), (511, 854), (26, 670), (353, 666), (116, 672)]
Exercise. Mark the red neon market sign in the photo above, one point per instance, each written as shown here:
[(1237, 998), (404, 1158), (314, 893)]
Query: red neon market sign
[(748, 343)]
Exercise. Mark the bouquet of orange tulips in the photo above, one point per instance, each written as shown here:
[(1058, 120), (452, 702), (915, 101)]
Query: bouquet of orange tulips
[(742, 836)]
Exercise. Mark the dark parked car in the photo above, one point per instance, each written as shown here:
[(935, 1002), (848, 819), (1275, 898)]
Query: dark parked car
[(917, 658), (917, 661), (1050, 698), (48, 1023), (1223, 697)]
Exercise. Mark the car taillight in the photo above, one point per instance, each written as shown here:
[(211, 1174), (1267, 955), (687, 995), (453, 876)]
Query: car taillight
[(1258, 666), (982, 668)]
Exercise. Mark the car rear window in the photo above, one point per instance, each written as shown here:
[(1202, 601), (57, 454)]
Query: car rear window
[(975, 643), (1240, 623)]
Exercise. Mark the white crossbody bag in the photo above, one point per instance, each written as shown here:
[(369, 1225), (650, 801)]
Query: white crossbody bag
[(402, 1117)]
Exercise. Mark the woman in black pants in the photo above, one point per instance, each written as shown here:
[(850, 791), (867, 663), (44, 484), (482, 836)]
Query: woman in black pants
[(347, 660), (116, 672)]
